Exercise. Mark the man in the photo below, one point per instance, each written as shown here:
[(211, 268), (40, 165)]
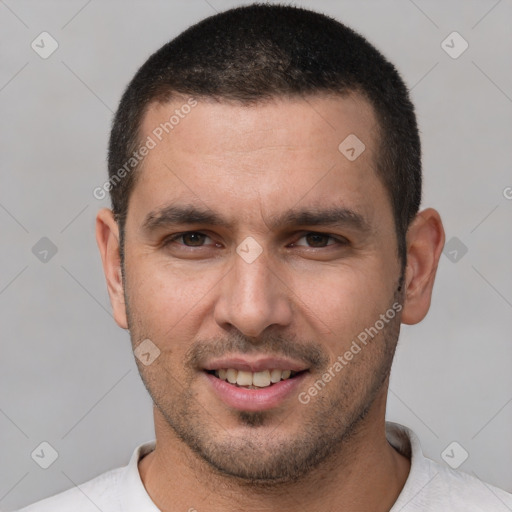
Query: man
[(264, 245)]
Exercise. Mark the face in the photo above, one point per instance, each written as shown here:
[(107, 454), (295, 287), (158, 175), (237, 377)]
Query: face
[(256, 251)]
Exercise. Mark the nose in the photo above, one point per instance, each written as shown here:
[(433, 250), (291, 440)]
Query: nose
[(253, 296)]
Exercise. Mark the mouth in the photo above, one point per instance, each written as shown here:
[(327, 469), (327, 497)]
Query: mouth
[(255, 385), (253, 380)]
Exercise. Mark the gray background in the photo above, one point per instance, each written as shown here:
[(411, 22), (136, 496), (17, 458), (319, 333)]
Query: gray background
[(67, 373)]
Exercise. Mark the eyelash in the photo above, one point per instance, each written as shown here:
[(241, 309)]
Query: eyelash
[(339, 241)]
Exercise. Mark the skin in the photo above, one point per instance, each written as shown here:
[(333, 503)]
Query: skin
[(304, 297)]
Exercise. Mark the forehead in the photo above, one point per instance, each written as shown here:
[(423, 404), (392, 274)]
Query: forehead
[(271, 156), (216, 127)]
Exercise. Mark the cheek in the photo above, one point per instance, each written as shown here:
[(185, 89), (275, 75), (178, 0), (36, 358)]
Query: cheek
[(341, 302), (166, 301)]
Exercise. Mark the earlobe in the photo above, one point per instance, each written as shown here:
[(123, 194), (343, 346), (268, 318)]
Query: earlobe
[(425, 241), (107, 238)]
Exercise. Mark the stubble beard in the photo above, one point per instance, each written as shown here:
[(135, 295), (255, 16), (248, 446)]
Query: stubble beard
[(259, 454)]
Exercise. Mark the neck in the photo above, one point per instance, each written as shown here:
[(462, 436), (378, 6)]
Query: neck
[(365, 473)]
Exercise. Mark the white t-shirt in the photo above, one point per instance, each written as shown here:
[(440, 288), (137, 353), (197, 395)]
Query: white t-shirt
[(430, 487)]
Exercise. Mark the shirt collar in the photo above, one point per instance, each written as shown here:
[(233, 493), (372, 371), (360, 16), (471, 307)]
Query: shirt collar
[(423, 470), (135, 498)]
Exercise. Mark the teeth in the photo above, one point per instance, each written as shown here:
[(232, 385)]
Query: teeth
[(275, 375), (261, 379), (244, 378), (253, 380), (231, 375)]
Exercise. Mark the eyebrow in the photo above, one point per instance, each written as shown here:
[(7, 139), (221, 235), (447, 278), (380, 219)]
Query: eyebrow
[(313, 216)]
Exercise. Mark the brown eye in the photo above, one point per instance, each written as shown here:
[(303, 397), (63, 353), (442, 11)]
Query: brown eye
[(189, 239), (193, 239), (319, 240)]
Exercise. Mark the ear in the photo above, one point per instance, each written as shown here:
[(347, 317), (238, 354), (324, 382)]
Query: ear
[(425, 241), (107, 238)]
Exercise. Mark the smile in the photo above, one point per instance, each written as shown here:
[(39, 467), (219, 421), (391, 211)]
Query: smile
[(253, 380), (255, 391)]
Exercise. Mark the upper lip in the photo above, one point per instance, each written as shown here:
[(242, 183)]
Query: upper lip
[(254, 365)]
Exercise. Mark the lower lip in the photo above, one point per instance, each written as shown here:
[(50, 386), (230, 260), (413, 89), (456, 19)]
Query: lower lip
[(255, 399)]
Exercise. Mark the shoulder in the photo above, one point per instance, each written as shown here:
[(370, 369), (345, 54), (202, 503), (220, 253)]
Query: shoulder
[(435, 487), (114, 491), (98, 493), (448, 489)]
